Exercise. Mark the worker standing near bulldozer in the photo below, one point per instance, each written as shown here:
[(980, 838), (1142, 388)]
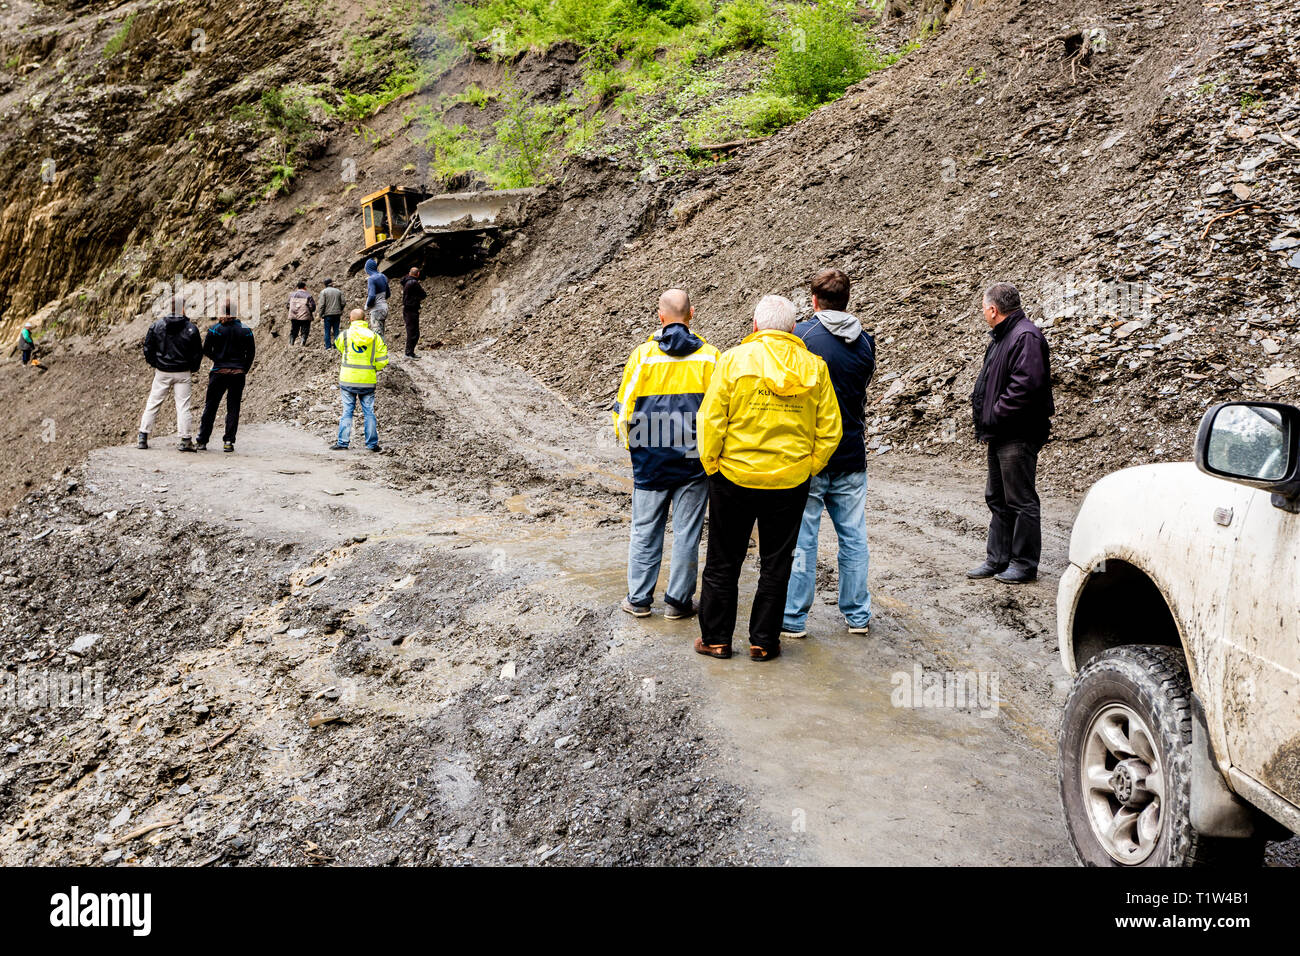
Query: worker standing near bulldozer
[(364, 356), (376, 297), (331, 311), (412, 295)]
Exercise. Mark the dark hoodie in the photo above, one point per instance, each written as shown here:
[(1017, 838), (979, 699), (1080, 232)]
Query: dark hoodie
[(173, 344), (376, 283), (850, 354)]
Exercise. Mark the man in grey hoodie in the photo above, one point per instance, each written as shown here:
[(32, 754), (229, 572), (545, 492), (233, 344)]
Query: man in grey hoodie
[(841, 488)]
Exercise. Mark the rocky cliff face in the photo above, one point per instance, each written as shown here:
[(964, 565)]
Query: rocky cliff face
[(121, 146)]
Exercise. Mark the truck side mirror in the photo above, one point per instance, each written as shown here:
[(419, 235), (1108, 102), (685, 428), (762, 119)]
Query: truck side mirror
[(1256, 444)]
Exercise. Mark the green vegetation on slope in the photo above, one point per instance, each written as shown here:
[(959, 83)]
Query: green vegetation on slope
[(664, 69)]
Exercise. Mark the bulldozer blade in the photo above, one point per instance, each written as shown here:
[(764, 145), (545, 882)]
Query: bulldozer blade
[(452, 212)]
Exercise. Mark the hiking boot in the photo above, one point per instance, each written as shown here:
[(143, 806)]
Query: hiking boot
[(187, 444), (636, 610), (985, 570), (1015, 575), (674, 612), (201, 446), (142, 440), (337, 447), (227, 446)]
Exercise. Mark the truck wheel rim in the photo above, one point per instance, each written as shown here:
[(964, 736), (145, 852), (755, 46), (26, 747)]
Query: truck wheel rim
[(1123, 783)]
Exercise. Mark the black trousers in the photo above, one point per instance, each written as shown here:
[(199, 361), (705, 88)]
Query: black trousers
[(1015, 530), (231, 385), (732, 512), (299, 327), (412, 332)]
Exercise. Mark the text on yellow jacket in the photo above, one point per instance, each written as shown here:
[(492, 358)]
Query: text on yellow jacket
[(769, 418)]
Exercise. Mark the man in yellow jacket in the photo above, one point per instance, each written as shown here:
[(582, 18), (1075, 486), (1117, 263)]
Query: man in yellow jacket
[(768, 423), (364, 356)]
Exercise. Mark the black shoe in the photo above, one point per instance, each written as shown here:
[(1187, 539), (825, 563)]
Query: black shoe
[(376, 449), (228, 446), (142, 440), (1016, 576), (201, 446), (186, 445), (985, 570), (337, 447)]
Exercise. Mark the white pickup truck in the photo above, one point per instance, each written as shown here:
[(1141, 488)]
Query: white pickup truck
[(1179, 617)]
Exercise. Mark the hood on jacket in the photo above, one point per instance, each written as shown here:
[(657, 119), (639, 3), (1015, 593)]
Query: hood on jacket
[(840, 324), (371, 267), (782, 362), (677, 340), (175, 319)]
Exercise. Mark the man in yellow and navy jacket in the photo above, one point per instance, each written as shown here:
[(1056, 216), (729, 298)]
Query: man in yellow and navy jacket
[(364, 355), (663, 383), (768, 423)]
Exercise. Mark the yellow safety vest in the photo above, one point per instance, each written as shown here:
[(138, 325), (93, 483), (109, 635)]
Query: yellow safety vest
[(364, 354)]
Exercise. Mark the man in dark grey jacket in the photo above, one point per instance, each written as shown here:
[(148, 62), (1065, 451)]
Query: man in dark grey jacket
[(1012, 406), (332, 305)]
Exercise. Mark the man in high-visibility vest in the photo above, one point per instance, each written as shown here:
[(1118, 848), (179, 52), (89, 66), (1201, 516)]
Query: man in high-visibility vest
[(364, 355)]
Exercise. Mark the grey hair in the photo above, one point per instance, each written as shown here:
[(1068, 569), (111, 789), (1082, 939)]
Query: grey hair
[(775, 312), (1003, 296)]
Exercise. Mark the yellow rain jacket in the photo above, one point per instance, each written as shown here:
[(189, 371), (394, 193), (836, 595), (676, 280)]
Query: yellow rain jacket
[(769, 418), (364, 354)]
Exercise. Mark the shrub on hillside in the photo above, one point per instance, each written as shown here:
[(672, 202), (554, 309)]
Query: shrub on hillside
[(822, 53), (742, 25)]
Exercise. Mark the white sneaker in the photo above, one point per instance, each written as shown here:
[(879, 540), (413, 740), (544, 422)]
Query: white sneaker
[(864, 629), (795, 635)]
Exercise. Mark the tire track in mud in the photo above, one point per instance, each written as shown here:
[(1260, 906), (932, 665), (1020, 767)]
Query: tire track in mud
[(923, 538)]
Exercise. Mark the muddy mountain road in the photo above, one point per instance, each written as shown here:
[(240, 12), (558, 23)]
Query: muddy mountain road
[(440, 673)]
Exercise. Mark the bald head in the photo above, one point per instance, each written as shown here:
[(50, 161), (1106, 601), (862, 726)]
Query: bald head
[(675, 306), (357, 315)]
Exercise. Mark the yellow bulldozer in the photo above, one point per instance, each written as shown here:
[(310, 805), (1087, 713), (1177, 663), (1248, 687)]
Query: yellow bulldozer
[(404, 226)]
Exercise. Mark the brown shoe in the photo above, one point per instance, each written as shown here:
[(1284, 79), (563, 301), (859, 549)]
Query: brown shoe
[(720, 651), (757, 653)]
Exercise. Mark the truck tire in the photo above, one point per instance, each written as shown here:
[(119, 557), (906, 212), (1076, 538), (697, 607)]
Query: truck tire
[(1125, 765)]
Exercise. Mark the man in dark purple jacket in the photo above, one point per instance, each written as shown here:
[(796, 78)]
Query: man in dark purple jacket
[(1012, 406)]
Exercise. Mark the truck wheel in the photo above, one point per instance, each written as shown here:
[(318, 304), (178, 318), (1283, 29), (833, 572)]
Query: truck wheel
[(1125, 765)]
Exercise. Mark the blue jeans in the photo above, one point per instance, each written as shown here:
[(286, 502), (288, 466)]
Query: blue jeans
[(350, 400), (331, 329), (644, 554), (844, 497)]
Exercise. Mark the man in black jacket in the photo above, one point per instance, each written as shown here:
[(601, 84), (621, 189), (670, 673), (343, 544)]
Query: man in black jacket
[(230, 345), (173, 348), (1012, 406), (412, 295)]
